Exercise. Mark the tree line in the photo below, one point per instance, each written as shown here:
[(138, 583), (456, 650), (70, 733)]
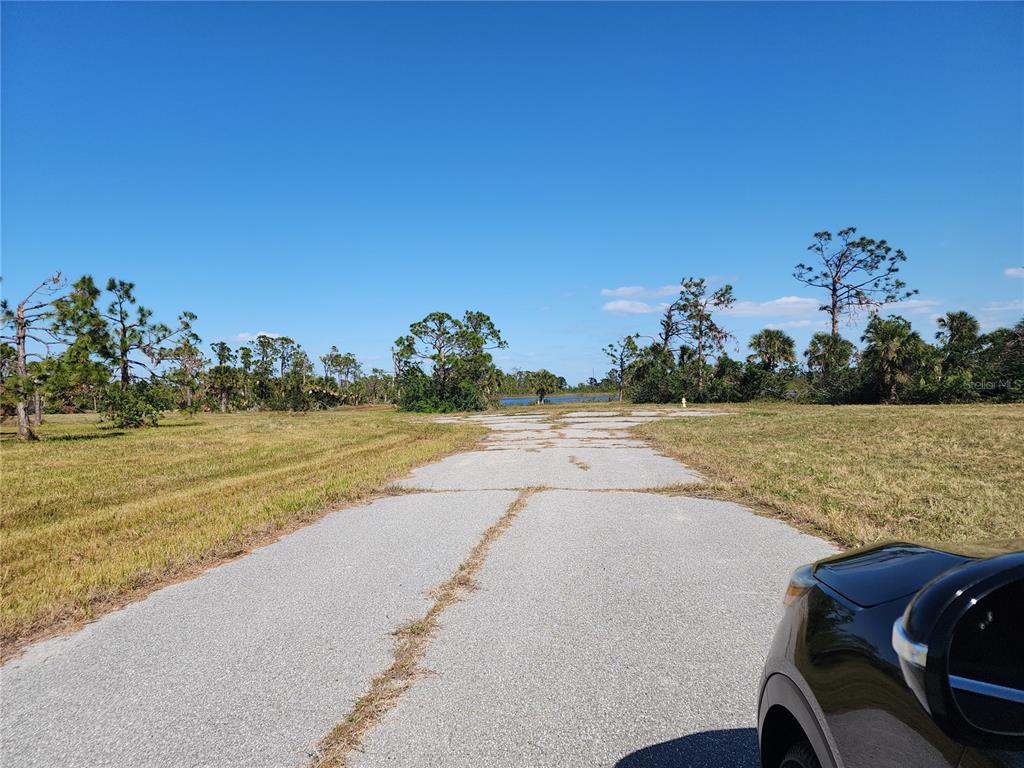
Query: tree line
[(72, 347), (688, 356)]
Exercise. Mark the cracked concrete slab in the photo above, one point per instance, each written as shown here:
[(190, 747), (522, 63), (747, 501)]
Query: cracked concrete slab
[(250, 663), (591, 433), (591, 414), (527, 452), (523, 426), (602, 624), (621, 468), (522, 434), (606, 620)]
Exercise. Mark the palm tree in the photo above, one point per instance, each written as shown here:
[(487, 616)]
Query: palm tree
[(955, 327), (893, 355), (493, 382), (772, 347), (958, 334), (543, 382), (826, 352)]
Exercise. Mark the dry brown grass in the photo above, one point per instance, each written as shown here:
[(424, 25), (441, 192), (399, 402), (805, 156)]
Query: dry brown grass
[(579, 462), (860, 474), (411, 642), (92, 517)]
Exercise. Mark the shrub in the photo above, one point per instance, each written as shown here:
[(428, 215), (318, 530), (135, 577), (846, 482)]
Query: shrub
[(132, 407)]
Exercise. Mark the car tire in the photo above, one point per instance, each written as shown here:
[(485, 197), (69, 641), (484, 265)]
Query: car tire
[(800, 755)]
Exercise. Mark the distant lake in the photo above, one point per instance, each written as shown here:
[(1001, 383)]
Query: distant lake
[(579, 398)]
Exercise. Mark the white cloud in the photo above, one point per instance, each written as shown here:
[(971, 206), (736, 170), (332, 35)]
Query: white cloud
[(245, 337), (805, 323), (626, 290), (1014, 272), (629, 302), (795, 311), (785, 306), (912, 306), (640, 292), (626, 306), (1015, 305)]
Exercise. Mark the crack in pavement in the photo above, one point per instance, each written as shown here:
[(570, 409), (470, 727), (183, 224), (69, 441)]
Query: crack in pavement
[(579, 463), (529, 451), (253, 661), (411, 641), (604, 624), (599, 597)]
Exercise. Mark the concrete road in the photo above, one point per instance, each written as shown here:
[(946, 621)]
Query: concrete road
[(250, 663), (605, 623), (611, 627)]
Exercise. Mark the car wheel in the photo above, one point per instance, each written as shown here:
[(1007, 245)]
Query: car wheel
[(800, 755)]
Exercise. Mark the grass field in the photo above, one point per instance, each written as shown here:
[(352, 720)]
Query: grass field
[(91, 516), (860, 474)]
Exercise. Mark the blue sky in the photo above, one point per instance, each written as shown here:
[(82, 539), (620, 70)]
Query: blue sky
[(335, 171)]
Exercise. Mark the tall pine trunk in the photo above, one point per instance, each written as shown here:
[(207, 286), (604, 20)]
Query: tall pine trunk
[(25, 431), (700, 362), (126, 376), (834, 309)]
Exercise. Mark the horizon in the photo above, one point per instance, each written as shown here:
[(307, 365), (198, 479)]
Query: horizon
[(351, 168)]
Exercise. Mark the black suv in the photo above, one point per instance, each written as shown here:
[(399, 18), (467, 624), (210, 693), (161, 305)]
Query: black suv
[(899, 656)]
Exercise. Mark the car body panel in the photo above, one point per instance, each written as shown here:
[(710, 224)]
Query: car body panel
[(882, 574), (834, 646), (849, 663)]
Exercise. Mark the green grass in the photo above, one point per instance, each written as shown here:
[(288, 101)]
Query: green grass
[(91, 517), (861, 474)]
